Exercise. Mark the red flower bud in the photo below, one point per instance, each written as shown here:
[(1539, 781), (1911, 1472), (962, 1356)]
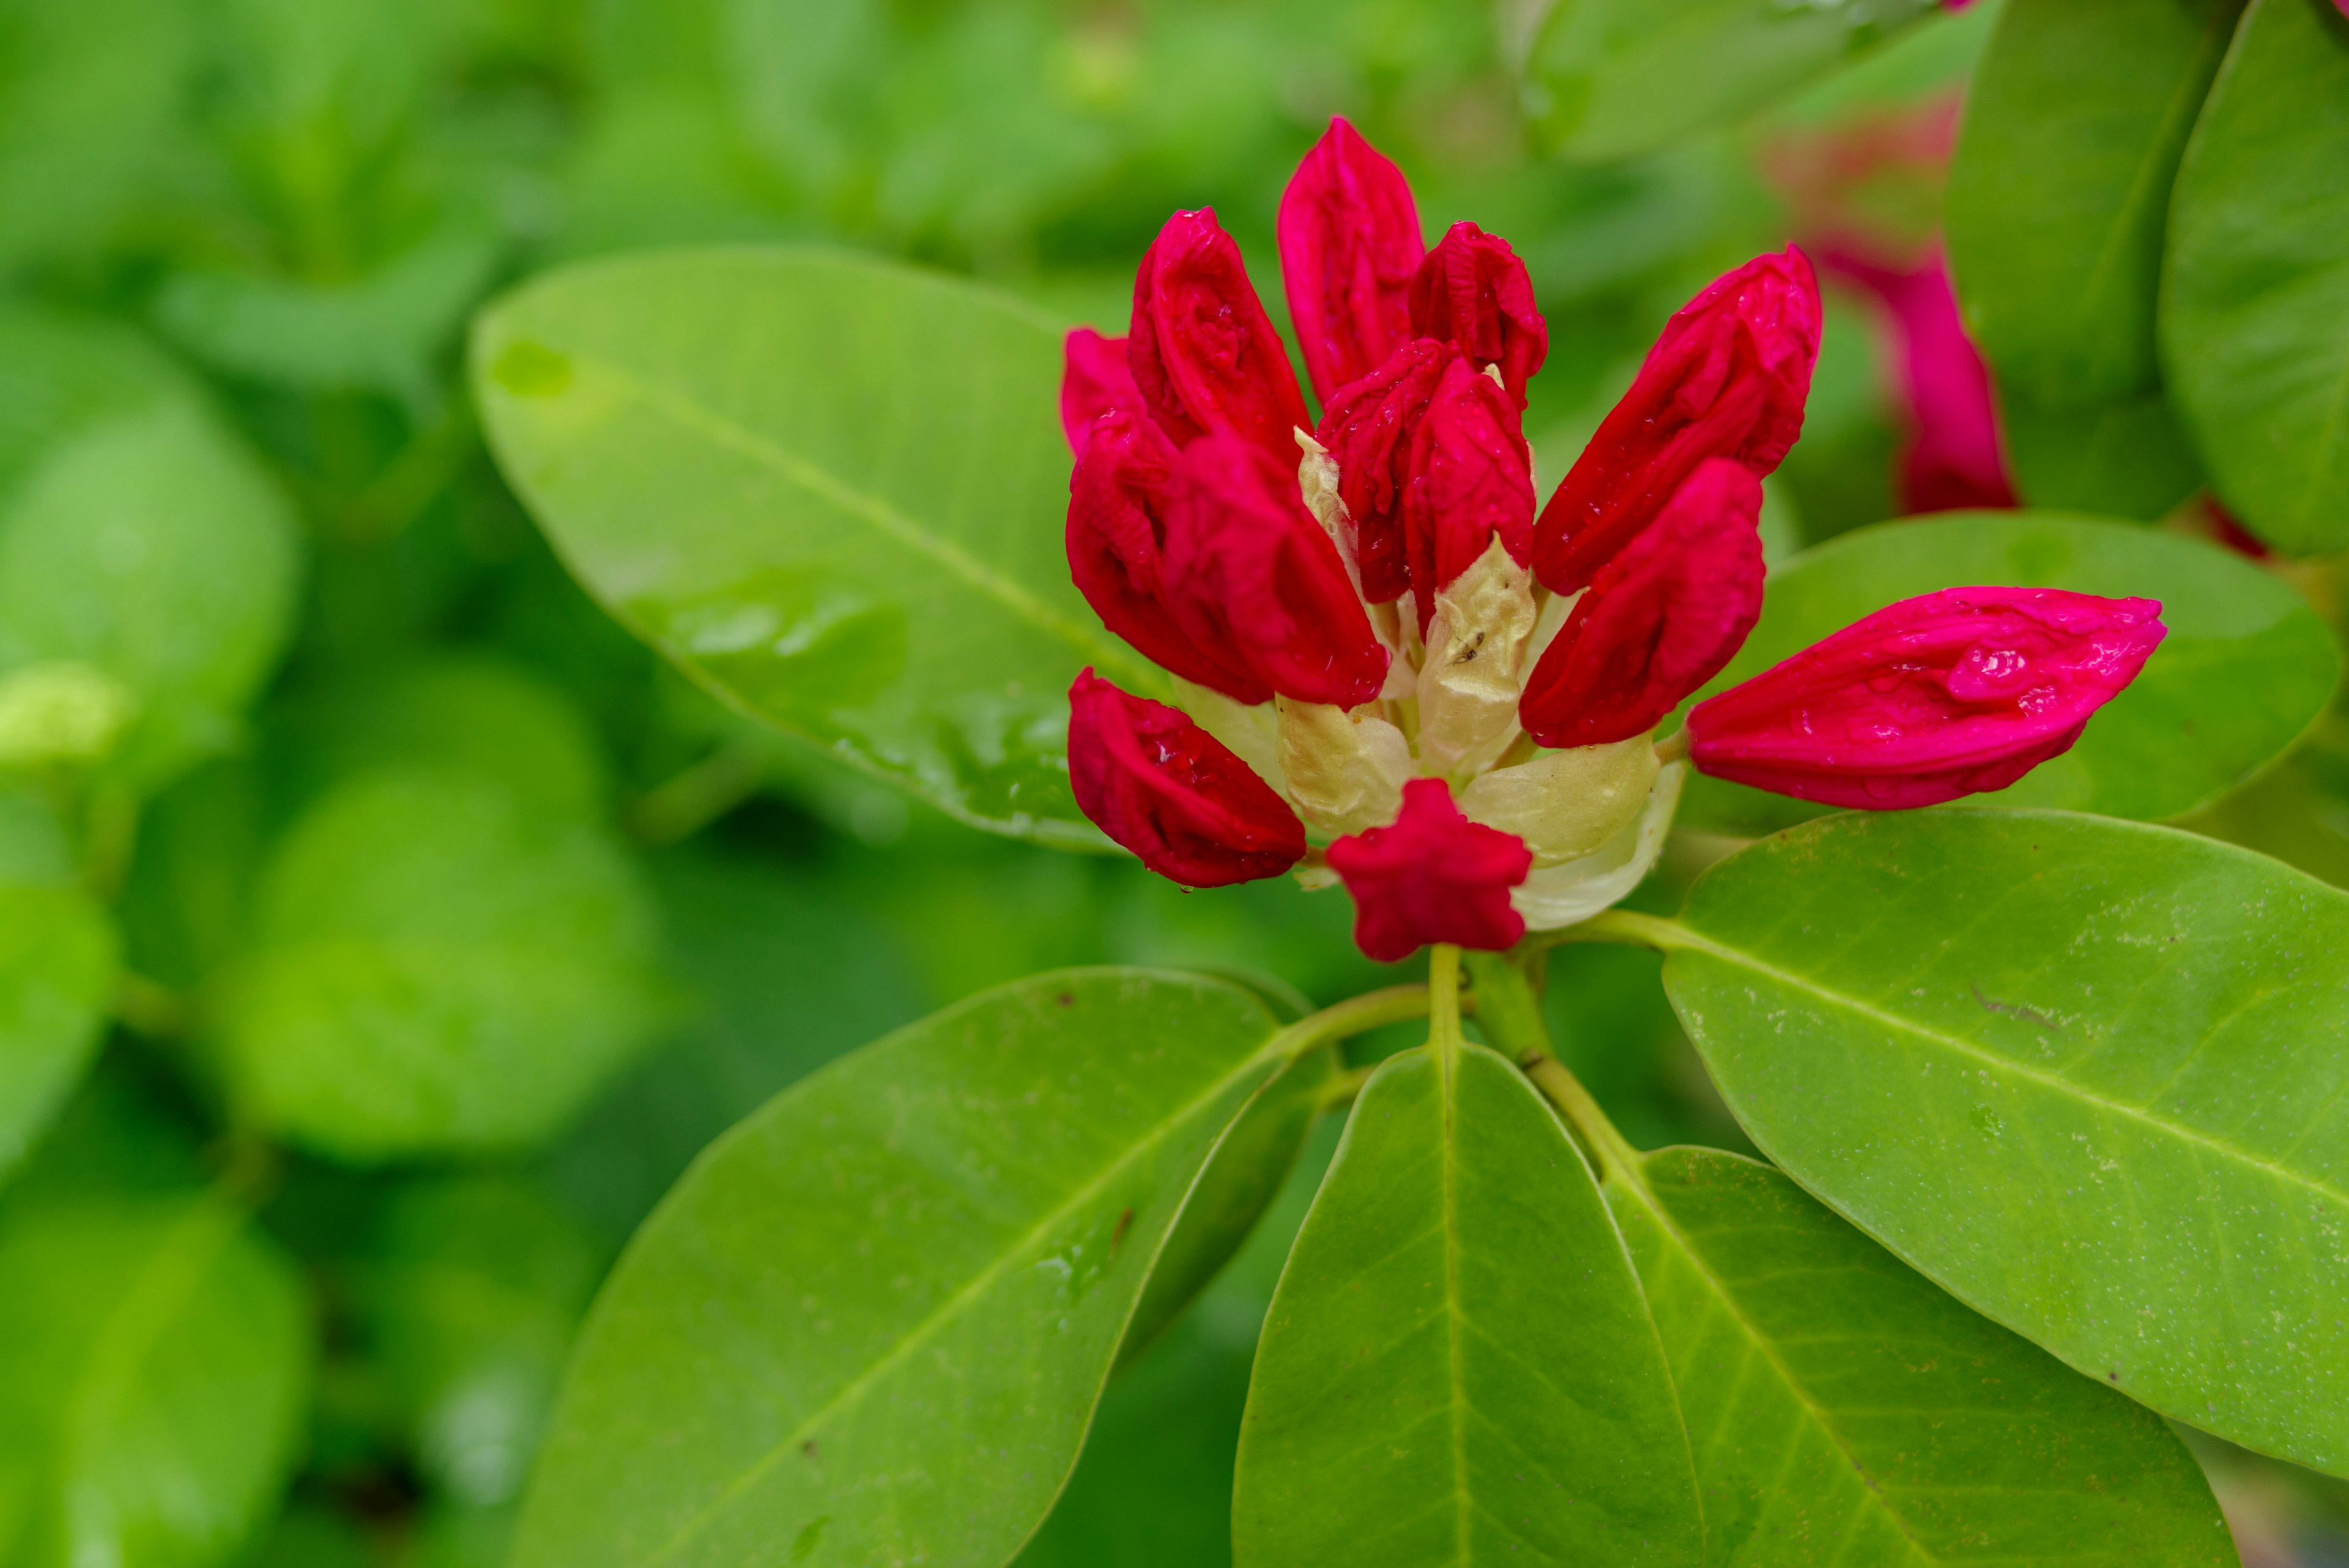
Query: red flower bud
[(1432, 876), (1937, 697), (1094, 381), (1350, 241), (1659, 620), (1173, 794), (1251, 576), (1117, 541), (1727, 378), (1470, 477), (1204, 354), (1471, 291), (1954, 459), (1368, 428)]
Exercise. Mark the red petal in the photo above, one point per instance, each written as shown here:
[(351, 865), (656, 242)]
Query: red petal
[(1471, 291), (1727, 378), (1350, 241), (1469, 477), (1117, 539), (1203, 354), (1659, 620), (1368, 428), (1936, 697), (1954, 459), (1251, 576), (1173, 794), (1432, 876), (1094, 381)]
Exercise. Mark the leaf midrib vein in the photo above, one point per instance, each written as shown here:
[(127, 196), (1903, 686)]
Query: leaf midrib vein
[(947, 1311)]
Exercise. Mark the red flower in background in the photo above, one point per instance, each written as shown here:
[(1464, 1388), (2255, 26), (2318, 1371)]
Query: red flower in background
[(1483, 759)]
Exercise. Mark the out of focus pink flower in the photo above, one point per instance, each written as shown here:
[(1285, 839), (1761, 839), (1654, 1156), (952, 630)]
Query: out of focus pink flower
[(1937, 697), (1432, 875), (1954, 459)]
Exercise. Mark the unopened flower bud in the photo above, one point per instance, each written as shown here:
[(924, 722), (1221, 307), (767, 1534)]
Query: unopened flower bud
[(1472, 292), (1937, 697), (1432, 875), (1367, 429), (1094, 381), (1350, 244), (1727, 378), (1162, 787), (1116, 539), (1251, 578), (1468, 480), (1659, 620), (1204, 354)]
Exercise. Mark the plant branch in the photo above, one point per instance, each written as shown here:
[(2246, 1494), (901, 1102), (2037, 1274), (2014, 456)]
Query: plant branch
[(1627, 927), (1356, 1016)]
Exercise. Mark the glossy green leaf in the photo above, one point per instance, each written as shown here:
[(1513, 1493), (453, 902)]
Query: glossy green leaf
[(871, 1323), (1459, 1365), (1614, 78), (2125, 459), (831, 489), (1844, 1409), (2246, 668), (437, 965), (138, 539), (2059, 196), (154, 1358), (57, 966), (2083, 1074), (2258, 276)]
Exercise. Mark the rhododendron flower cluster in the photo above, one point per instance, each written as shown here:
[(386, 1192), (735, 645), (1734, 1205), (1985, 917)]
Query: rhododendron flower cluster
[(1382, 643)]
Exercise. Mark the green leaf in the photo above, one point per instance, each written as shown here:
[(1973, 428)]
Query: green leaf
[(137, 538), (57, 966), (871, 1323), (2125, 459), (2059, 191), (1460, 1336), (1614, 78), (832, 490), (154, 1358), (438, 966), (1843, 1408), (2082, 1073), (2246, 668), (2258, 267)]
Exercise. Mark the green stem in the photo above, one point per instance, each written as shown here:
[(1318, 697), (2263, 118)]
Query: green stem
[(1443, 1009), (1626, 927), (1510, 1014), (683, 805), (1356, 1015), (1341, 1090)]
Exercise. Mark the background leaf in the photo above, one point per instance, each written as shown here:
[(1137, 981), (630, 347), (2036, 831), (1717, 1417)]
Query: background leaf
[(1460, 1339), (2080, 1072), (436, 966), (2258, 276), (1612, 78), (2246, 668), (1843, 1408), (915, 1389), (58, 961), (154, 1359), (831, 489)]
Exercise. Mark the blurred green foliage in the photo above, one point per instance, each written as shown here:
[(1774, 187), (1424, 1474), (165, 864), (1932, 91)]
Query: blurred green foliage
[(454, 926)]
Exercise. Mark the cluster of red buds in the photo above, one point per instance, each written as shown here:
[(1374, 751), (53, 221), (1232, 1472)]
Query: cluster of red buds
[(1377, 643)]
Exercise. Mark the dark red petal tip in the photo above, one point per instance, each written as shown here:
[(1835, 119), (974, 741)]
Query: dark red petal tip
[(1251, 576), (1659, 620), (1117, 540), (1727, 378), (1368, 428), (1094, 381), (1204, 354), (1433, 876), (1472, 292), (1173, 795), (1937, 697), (1350, 243)]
